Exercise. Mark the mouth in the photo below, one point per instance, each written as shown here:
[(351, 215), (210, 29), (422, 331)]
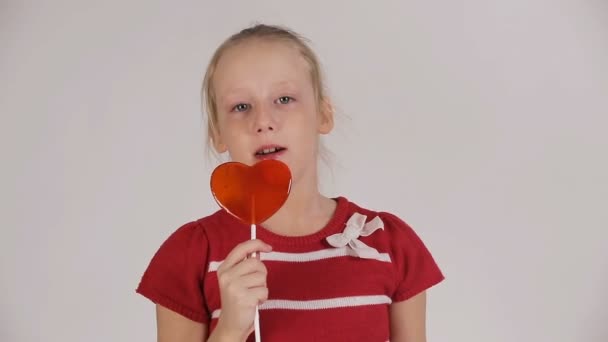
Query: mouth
[(269, 151)]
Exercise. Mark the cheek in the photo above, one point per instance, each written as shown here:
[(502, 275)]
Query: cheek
[(305, 130), (229, 127), (307, 113), (232, 138)]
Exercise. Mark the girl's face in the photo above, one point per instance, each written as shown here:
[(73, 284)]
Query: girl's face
[(267, 107)]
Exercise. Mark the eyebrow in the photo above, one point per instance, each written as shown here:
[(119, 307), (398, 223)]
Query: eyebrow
[(231, 91), (286, 83)]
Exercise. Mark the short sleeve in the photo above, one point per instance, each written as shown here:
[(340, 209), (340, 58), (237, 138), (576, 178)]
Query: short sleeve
[(174, 276), (415, 267)]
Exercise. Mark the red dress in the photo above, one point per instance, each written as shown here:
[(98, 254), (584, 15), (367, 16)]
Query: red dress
[(333, 285)]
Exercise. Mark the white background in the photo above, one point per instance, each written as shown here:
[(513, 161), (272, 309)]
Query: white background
[(481, 123)]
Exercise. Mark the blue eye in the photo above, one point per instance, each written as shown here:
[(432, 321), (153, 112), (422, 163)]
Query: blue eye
[(241, 107), (285, 99)]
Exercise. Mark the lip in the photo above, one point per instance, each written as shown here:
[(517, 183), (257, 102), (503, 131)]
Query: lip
[(275, 155)]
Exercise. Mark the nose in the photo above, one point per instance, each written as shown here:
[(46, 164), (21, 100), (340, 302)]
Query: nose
[(264, 121), (262, 128)]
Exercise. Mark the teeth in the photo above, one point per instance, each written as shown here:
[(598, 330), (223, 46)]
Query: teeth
[(268, 150)]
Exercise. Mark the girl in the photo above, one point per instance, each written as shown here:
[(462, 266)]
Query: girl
[(329, 269)]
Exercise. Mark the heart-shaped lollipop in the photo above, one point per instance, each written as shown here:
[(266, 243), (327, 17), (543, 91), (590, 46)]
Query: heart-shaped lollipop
[(251, 193)]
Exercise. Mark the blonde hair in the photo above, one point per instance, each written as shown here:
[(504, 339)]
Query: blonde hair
[(259, 31)]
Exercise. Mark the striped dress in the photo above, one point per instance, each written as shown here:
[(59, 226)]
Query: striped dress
[(334, 285)]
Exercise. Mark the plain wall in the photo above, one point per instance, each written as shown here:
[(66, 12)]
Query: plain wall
[(480, 123)]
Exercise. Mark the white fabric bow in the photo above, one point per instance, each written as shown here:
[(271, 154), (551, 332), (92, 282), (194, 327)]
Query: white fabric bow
[(356, 227)]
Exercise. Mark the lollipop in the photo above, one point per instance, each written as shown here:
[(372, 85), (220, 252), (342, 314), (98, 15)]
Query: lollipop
[(252, 194)]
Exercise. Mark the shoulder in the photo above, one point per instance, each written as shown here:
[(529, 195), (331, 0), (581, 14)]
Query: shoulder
[(187, 233), (174, 275), (415, 267), (206, 238), (198, 228), (398, 237), (181, 255), (189, 237), (392, 223)]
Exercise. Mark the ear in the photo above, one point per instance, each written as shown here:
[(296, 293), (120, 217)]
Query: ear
[(326, 116), (216, 139), (220, 147)]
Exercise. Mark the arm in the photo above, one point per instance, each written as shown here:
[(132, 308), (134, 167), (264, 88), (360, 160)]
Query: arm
[(173, 327), (408, 319), (242, 283)]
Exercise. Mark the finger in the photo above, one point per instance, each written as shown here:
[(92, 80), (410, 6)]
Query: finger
[(255, 296), (259, 294), (252, 280), (242, 250), (248, 266)]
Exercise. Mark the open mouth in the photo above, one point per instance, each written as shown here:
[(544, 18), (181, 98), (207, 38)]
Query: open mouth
[(269, 151)]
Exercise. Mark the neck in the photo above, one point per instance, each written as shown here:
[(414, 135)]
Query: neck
[(305, 211)]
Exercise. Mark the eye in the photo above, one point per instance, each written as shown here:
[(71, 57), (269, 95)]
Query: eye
[(285, 99), (241, 107)]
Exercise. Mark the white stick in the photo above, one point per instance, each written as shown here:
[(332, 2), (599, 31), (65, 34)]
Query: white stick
[(256, 320)]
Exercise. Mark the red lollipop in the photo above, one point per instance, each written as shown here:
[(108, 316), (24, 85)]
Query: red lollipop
[(251, 193)]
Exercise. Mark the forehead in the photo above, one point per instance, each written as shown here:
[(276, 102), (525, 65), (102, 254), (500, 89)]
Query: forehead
[(260, 62)]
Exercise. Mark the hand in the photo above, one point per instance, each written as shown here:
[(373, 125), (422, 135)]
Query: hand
[(242, 282)]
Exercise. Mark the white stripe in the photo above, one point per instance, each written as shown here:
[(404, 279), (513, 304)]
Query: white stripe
[(304, 257), (319, 304)]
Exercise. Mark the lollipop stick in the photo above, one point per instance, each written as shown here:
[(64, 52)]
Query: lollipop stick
[(256, 320)]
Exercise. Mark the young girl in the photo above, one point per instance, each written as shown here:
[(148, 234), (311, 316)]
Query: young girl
[(329, 270)]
